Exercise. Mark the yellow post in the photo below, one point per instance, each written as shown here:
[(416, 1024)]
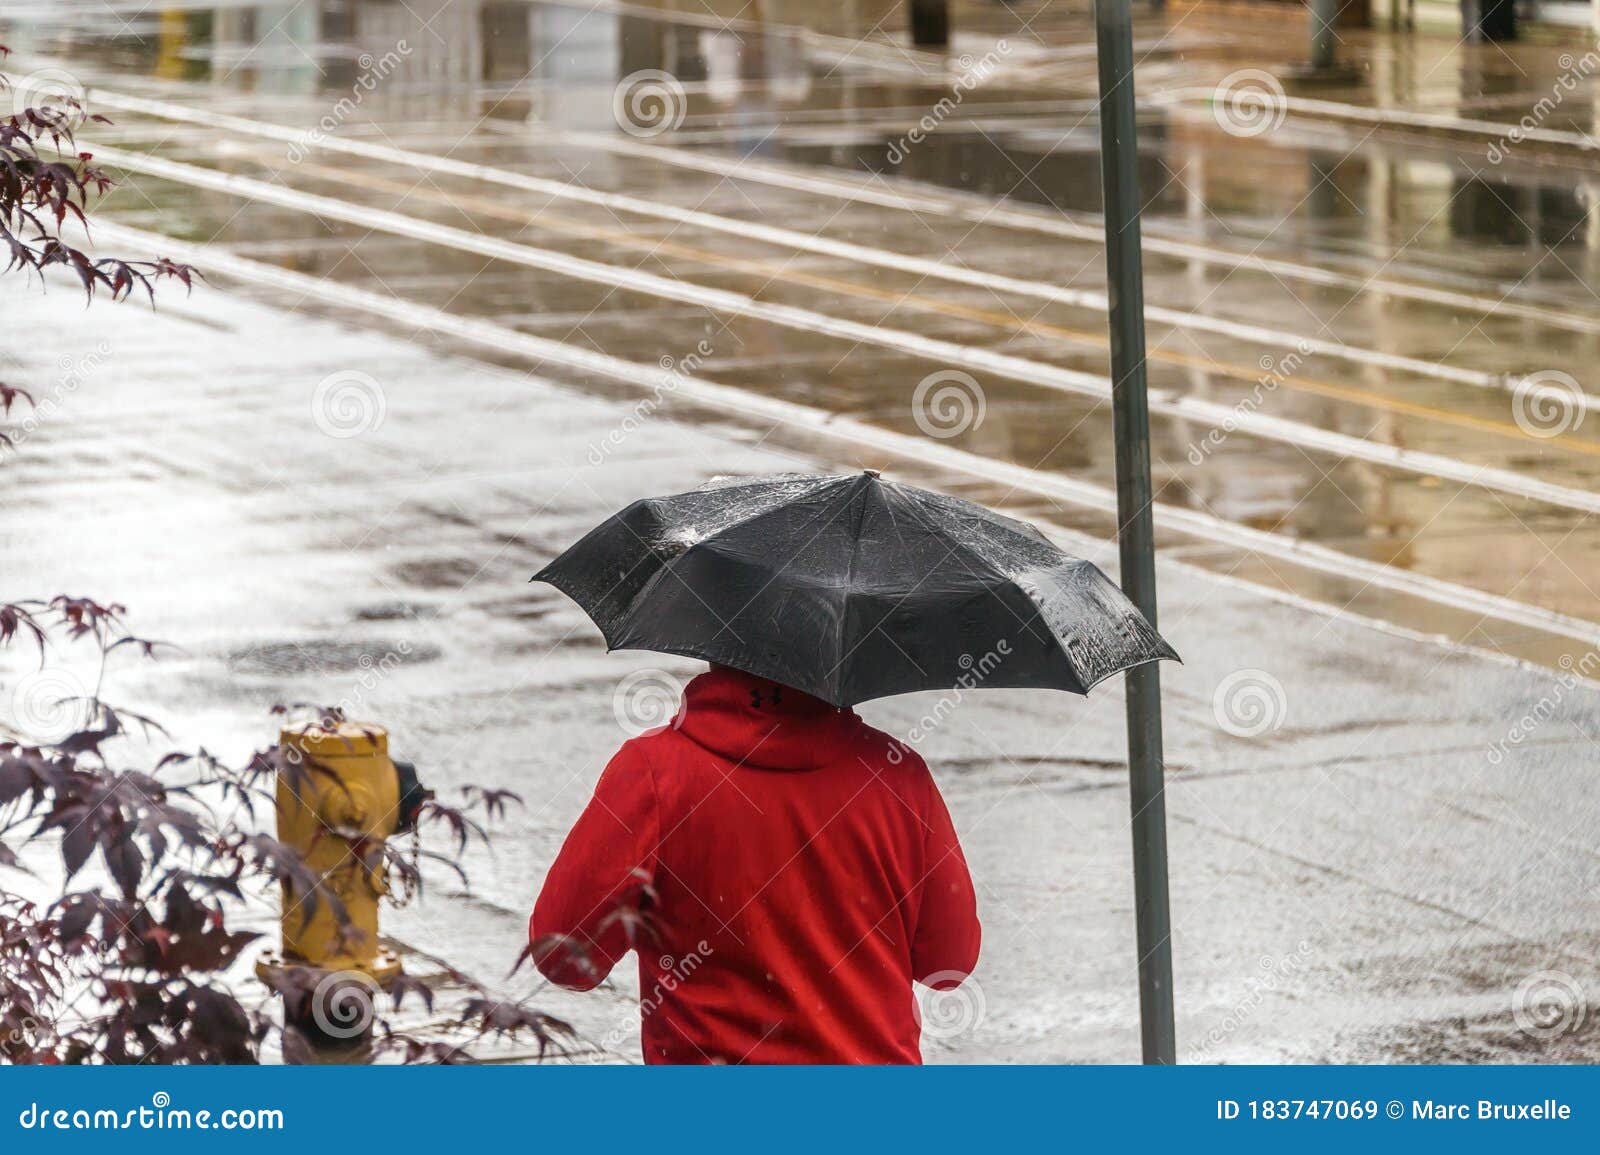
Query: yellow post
[(173, 38)]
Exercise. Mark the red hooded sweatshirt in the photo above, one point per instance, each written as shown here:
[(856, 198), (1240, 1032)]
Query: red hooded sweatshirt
[(799, 870)]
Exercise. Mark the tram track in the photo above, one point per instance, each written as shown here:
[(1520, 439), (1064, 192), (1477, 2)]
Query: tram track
[(936, 351), (745, 406), (908, 201)]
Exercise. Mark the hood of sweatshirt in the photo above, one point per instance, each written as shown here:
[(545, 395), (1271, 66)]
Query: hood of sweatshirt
[(758, 723)]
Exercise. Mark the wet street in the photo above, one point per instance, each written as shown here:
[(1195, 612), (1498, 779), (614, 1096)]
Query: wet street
[(1343, 302), (479, 273)]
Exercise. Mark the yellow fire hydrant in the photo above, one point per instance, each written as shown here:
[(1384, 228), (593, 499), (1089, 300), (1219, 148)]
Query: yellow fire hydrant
[(339, 800)]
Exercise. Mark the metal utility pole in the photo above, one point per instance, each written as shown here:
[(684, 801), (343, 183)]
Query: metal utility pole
[(930, 23), (1324, 14), (1322, 65), (1119, 178)]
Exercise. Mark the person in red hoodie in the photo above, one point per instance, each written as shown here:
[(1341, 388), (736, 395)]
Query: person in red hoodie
[(785, 872)]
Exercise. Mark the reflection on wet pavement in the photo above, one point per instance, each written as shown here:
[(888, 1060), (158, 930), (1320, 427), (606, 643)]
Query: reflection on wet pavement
[(1345, 286)]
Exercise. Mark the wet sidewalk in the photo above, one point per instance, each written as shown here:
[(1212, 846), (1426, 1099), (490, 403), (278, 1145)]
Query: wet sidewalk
[(1381, 845)]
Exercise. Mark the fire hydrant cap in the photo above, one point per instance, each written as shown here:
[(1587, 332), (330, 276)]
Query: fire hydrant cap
[(345, 739)]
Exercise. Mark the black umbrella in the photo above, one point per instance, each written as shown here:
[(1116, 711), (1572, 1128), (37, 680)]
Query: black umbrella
[(852, 588)]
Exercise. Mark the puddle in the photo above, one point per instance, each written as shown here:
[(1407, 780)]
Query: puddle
[(395, 612), (452, 573), (279, 659)]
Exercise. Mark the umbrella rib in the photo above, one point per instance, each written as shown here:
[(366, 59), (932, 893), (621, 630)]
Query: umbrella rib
[(654, 579), (667, 566), (916, 511), (973, 547), (878, 628), (861, 492), (665, 561), (776, 571), (993, 567)]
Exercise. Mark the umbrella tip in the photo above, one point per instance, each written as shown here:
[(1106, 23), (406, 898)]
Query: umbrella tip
[(872, 473)]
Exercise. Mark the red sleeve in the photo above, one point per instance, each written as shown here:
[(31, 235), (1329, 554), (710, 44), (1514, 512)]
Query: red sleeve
[(945, 947), (581, 922)]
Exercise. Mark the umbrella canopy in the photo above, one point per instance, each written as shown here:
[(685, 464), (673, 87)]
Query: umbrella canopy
[(852, 588)]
